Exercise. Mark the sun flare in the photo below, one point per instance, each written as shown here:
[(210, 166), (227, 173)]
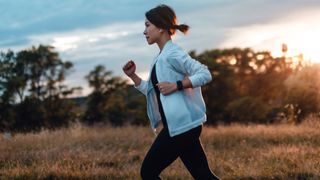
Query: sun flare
[(298, 31), (302, 36), (306, 45)]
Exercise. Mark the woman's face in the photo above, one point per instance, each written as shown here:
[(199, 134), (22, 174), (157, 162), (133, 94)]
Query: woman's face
[(151, 32)]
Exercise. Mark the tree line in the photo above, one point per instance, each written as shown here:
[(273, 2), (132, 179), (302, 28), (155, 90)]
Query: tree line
[(247, 87)]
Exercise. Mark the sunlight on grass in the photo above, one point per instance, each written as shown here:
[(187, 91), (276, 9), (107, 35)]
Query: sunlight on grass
[(234, 152)]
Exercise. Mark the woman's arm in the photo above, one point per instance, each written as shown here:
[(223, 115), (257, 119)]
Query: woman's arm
[(197, 73), (130, 70), (167, 88)]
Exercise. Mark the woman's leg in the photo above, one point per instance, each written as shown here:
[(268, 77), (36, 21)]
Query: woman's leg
[(193, 155), (161, 154)]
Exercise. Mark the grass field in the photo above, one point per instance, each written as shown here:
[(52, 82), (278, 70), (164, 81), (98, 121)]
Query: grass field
[(234, 152)]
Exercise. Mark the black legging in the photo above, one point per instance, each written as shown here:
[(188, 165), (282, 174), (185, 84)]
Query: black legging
[(166, 149)]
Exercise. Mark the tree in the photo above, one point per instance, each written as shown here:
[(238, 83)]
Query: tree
[(33, 90), (248, 109), (241, 76), (303, 92), (10, 83), (106, 102)]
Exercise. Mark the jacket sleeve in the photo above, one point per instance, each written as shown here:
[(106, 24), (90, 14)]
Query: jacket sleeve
[(198, 73), (142, 87)]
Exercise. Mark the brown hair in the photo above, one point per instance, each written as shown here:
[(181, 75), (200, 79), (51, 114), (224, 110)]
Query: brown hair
[(162, 16)]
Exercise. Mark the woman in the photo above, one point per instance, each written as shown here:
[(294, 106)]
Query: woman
[(174, 97)]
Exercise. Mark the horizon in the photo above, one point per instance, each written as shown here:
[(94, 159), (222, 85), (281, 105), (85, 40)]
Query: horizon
[(97, 32)]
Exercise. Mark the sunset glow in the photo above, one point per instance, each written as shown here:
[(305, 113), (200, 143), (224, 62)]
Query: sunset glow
[(300, 33), (305, 44)]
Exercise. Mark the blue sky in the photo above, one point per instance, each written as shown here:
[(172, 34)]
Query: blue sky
[(109, 32)]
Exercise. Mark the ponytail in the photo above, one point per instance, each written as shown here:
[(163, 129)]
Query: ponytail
[(164, 17), (182, 27)]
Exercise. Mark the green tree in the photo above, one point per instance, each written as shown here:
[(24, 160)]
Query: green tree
[(106, 102), (33, 90), (136, 108), (9, 85), (46, 73)]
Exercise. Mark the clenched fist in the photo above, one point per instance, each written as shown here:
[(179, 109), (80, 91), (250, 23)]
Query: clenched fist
[(129, 68)]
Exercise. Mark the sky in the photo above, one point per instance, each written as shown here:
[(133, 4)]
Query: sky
[(109, 32)]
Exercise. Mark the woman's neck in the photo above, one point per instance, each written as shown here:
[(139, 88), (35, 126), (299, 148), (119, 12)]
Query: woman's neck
[(162, 41)]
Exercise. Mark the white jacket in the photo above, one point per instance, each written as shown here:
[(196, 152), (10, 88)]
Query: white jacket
[(184, 109)]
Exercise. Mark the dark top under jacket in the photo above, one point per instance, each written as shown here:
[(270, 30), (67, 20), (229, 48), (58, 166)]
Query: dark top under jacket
[(155, 82)]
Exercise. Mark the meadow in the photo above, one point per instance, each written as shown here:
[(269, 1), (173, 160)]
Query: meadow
[(234, 152)]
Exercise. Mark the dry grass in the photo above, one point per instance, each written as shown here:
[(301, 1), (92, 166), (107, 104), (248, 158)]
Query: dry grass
[(234, 152)]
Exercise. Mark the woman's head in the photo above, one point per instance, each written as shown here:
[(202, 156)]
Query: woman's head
[(164, 17)]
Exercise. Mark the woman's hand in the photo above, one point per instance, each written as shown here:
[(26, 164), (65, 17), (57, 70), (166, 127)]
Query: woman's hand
[(167, 88), (129, 68)]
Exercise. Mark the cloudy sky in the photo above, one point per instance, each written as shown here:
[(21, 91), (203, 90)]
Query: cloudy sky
[(109, 32)]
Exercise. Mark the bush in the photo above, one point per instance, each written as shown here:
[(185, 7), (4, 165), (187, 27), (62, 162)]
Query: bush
[(248, 109), (303, 91)]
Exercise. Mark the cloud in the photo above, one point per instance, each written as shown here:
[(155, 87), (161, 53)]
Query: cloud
[(112, 46), (21, 19), (297, 29), (110, 33)]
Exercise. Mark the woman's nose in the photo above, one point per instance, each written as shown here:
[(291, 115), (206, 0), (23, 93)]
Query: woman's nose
[(145, 32)]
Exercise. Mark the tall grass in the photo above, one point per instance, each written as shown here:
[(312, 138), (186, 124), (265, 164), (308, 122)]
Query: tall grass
[(234, 152)]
